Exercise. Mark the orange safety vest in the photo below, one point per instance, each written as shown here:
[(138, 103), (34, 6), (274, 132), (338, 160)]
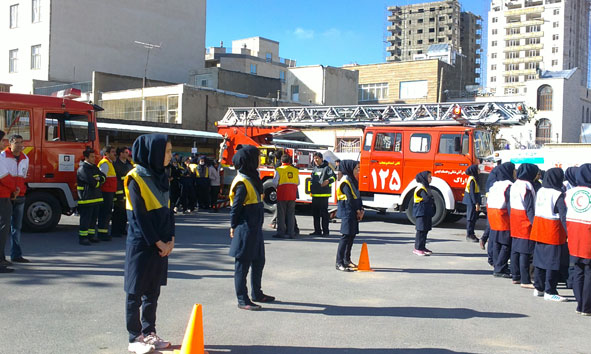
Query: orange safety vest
[(547, 227)]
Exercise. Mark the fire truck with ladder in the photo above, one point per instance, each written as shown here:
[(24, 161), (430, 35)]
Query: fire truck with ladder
[(55, 131), (399, 141)]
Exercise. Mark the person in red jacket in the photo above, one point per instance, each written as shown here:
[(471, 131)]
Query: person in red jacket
[(109, 189), (286, 180), (8, 191)]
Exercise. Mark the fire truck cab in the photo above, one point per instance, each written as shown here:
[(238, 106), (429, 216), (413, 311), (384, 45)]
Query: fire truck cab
[(55, 131)]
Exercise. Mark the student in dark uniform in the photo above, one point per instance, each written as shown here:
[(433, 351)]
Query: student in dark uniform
[(175, 185), (188, 189), (202, 183), (150, 239), (522, 202), (538, 180), (570, 178), (246, 228), (423, 210), (472, 201), (578, 227), (350, 211), (549, 233), (492, 178), (498, 217)]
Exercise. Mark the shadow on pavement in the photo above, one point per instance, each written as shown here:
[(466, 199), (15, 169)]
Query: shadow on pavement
[(435, 271), (411, 312), (270, 349)]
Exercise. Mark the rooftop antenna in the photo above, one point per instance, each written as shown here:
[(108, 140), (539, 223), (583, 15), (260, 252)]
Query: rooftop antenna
[(148, 46)]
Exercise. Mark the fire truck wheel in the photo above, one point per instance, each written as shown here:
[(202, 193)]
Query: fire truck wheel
[(440, 211), (42, 212), (270, 196)]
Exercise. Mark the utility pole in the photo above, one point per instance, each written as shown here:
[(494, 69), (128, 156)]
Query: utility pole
[(148, 46)]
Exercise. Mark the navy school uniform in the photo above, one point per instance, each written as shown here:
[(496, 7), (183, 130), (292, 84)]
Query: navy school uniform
[(247, 245), (349, 203), (150, 220), (423, 210), (500, 232), (522, 248), (471, 199)]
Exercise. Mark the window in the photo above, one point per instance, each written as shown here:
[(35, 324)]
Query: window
[(532, 41), (513, 43), (204, 83), (543, 131), (268, 57), (441, 29), (554, 37), (454, 143), (431, 30), (554, 62), (413, 89), (348, 144), (510, 67), (493, 79), (36, 11), (441, 18), (368, 141), (253, 69), (493, 67), (419, 31), (388, 142), (67, 127), (431, 40), (173, 108), (495, 19), (535, 28), (295, 93), (420, 20), (554, 49), (531, 66), (420, 41), (373, 92), (440, 40), (493, 44), (420, 142), (556, 11), (494, 31), (17, 122), (545, 98), (510, 91), (282, 76), (511, 79), (493, 56), (14, 16), (555, 24), (36, 56), (13, 61), (512, 55)]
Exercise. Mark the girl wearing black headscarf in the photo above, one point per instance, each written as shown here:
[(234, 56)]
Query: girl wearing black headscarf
[(498, 217), (472, 202), (150, 238), (523, 198), (246, 228), (423, 210), (570, 178), (578, 227), (350, 211), (549, 233)]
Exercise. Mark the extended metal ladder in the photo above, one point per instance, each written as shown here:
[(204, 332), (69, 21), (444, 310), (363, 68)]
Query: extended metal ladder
[(448, 113)]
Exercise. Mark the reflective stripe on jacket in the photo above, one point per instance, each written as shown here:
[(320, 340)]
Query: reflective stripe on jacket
[(252, 197)]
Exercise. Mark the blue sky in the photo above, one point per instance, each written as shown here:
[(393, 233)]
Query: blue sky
[(327, 32)]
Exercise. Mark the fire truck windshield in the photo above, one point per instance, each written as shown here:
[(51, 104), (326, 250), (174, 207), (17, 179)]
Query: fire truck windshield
[(483, 145)]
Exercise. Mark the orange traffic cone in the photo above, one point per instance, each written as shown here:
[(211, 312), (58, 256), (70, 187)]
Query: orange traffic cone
[(193, 340), (363, 265)]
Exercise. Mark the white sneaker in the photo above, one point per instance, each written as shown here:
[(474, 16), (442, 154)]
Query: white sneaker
[(538, 293), (555, 297), (140, 347), (156, 341)]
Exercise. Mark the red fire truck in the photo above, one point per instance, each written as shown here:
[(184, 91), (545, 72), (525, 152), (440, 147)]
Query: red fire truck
[(399, 141), (55, 131)]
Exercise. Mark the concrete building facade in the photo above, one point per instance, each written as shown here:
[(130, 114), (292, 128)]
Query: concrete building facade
[(413, 28), (66, 41), (322, 85), (526, 37)]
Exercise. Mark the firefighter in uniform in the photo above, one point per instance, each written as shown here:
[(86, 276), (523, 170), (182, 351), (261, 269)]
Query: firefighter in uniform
[(246, 228), (498, 218), (472, 201), (350, 211), (89, 180), (321, 189), (286, 179), (578, 228), (549, 233), (521, 217), (122, 166), (109, 188)]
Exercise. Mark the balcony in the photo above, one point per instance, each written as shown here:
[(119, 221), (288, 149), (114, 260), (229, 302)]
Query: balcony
[(394, 18), (394, 28), (394, 38), (524, 35), (523, 47), (393, 58), (524, 23), (525, 11), (520, 72), (523, 60)]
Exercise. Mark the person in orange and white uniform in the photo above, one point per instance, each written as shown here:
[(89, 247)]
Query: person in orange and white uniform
[(549, 233), (109, 188), (498, 218), (578, 228), (522, 202)]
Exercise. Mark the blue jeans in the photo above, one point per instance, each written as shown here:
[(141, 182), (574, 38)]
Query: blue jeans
[(16, 223)]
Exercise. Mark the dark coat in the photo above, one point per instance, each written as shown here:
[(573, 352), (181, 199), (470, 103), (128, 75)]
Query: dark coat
[(347, 211), (89, 178), (320, 174), (424, 211), (247, 222), (121, 169)]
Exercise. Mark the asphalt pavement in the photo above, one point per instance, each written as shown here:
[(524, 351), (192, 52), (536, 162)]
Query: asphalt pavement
[(71, 298)]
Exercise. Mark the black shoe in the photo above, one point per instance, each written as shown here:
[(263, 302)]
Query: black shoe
[(325, 234), (264, 298), (472, 238), (21, 260), (315, 233), (250, 307), (342, 268), (93, 239), (5, 263), (280, 236), (482, 244), (84, 241), (6, 270), (502, 275)]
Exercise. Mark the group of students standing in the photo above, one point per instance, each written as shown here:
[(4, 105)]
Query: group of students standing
[(195, 183), (541, 220)]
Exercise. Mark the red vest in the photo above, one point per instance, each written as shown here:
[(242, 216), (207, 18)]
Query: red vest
[(110, 184), (287, 186), (547, 227), (496, 206), (520, 224), (578, 221)]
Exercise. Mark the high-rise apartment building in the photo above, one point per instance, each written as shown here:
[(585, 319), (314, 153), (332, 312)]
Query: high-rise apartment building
[(526, 37), (413, 28), (65, 41)]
